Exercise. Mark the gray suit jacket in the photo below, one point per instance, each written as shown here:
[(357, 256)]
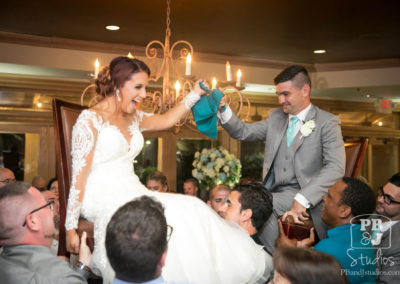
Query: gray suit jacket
[(388, 257), (37, 265), (319, 158)]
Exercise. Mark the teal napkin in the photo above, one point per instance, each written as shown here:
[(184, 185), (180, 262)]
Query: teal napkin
[(205, 112)]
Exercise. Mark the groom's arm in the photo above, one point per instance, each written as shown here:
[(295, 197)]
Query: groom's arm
[(239, 130)]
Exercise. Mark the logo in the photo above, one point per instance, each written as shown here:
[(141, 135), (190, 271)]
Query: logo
[(372, 230)]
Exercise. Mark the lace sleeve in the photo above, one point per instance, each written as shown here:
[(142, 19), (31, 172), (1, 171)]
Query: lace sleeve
[(84, 135), (139, 118)]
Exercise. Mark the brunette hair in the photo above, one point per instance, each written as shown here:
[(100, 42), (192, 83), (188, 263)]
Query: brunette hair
[(306, 266), (158, 176), (117, 73)]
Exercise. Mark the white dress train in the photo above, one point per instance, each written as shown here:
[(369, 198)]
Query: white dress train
[(203, 248)]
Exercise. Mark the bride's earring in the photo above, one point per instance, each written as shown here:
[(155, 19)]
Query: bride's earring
[(117, 92)]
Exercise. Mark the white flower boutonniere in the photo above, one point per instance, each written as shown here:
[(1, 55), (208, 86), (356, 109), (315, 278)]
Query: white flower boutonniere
[(307, 128)]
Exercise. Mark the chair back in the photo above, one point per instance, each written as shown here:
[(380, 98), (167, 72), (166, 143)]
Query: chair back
[(64, 117), (355, 153)]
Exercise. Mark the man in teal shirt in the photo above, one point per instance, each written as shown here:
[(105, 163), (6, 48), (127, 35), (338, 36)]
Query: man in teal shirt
[(346, 202)]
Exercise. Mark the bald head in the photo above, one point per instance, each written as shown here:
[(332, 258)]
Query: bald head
[(39, 182), (15, 204), (6, 176)]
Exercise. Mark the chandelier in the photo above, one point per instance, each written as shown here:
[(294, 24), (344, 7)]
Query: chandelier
[(167, 60)]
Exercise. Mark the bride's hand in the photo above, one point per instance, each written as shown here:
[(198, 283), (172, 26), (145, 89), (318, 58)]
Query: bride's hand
[(198, 89), (72, 241)]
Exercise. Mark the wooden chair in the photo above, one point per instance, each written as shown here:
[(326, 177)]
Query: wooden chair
[(64, 117), (355, 153)]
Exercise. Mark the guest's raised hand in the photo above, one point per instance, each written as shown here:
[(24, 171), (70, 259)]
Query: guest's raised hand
[(85, 255), (72, 241), (308, 242), (283, 240)]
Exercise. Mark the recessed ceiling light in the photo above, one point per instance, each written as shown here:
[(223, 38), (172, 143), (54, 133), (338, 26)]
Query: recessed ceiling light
[(319, 51), (112, 28)]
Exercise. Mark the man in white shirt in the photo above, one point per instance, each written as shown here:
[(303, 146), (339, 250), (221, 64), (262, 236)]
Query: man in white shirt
[(304, 153)]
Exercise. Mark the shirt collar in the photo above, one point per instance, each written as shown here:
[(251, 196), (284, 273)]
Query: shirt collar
[(302, 115), (339, 229)]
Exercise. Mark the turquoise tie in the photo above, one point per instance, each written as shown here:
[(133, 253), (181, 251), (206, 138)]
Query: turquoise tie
[(291, 131)]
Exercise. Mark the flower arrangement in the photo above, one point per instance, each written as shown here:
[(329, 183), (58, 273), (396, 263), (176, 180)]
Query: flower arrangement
[(216, 166)]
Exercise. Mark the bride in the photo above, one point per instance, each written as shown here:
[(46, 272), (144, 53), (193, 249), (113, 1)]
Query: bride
[(105, 141)]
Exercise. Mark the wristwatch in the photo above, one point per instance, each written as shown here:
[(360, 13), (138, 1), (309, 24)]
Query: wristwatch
[(83, 266)]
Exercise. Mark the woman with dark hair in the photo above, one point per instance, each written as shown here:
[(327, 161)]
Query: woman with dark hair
[(293, 265), (52, 185), (105, 141), (157, 181)]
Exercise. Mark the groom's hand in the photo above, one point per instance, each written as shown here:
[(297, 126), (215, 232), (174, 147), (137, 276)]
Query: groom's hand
[(298, 212), (223, 102)]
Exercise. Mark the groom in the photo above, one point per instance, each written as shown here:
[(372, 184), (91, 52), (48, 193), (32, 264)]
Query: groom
[(304, 152)]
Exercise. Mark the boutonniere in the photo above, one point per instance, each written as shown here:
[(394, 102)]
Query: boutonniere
[(307, 128)]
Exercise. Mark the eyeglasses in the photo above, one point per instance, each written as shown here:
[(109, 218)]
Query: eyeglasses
[(8, 180), (50, 203), (170, 229), (386, 198)]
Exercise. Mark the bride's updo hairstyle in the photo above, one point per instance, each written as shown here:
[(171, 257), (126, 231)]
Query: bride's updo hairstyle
[(120, 70)]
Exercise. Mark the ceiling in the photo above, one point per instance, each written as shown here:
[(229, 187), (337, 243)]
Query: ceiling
[(284, 30)]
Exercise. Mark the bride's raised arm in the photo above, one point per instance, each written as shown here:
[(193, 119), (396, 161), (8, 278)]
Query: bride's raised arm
[(84, 137), (167, 120)]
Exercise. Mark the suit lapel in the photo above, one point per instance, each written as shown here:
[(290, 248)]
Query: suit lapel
[(298, 140)]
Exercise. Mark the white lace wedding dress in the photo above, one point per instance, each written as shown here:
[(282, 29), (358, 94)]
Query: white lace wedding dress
[(203, 247)]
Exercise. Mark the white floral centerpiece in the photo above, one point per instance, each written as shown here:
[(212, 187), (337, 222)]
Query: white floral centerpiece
[(216, 166)]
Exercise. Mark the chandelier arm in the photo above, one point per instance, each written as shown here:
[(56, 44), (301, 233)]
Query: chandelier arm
[(153, 54)]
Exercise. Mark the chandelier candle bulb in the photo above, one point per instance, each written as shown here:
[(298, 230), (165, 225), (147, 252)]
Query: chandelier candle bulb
[(228, 72), (130, 55), (238, 78), (188, 64), (214, 83), (177, 88), (96, 68)]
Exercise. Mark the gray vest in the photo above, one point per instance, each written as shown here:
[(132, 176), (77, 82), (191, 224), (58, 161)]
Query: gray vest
[(284, 166)]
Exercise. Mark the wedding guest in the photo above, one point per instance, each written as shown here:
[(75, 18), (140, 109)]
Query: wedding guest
[(6, 176), (157, 181), (218, 195), (39, 183), (304, 153), (49, 196), (305, 266), (191, 187), (26, 231), (52, 185), (249, 205), (137, 241), (385, 241), (347, 201)]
